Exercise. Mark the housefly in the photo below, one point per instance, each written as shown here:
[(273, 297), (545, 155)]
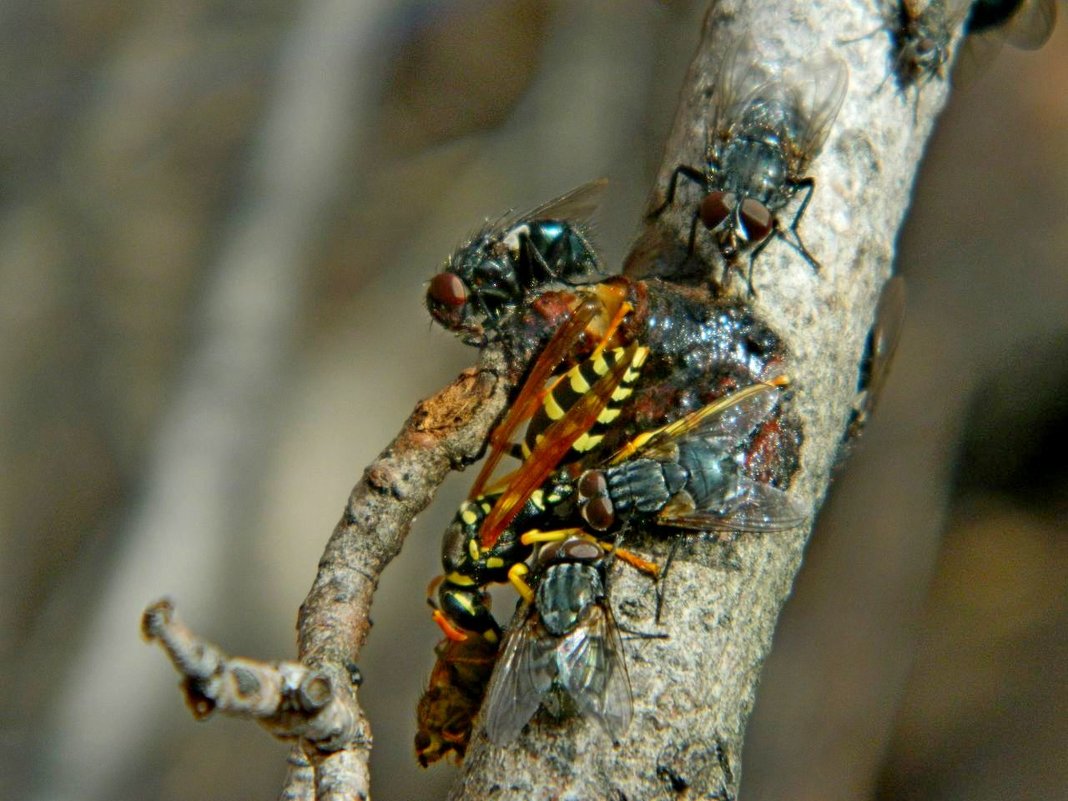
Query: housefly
[(690, 474), (500, 267), (920, 35), (768, 124), (563, 647)]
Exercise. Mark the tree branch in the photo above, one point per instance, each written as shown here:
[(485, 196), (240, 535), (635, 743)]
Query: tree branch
[(314, 701), (695, 689)]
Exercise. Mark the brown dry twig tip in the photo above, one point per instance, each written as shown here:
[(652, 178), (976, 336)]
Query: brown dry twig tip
[(290, 699), (314, 700)]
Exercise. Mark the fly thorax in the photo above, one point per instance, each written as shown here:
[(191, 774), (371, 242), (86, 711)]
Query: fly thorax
[(754, 168), (712, 474), (639, 485), (564, 594)]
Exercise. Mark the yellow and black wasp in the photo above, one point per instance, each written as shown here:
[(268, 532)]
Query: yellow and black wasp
[(688, 474)]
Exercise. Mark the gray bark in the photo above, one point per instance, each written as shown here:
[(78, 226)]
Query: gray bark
[(695, 689)]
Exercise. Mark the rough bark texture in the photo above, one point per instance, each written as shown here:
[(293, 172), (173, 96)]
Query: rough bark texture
[(695, 689)]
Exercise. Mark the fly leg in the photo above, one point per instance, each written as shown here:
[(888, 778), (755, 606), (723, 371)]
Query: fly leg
[(663, 578), (690, 173), (808, 185)]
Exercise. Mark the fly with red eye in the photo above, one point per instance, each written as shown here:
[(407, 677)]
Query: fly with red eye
[(497, 271), (768, 124)]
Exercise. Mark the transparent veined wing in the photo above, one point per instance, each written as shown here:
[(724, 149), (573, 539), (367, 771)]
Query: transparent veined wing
[(820, 86), (579, 205), (760, 507), (741, 75), (523, 677), (733, 417), (593, 671)]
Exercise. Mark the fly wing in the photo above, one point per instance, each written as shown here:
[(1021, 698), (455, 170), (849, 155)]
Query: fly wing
[(733, 417), (523, 677), (579, 205), (820, 85), (889, 321), (741, 75), (593, 671), (1032, 24), (1027, 26), (762, 508)]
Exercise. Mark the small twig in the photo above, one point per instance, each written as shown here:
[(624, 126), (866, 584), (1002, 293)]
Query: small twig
[(314, 700), (299, 783), (291, 700)]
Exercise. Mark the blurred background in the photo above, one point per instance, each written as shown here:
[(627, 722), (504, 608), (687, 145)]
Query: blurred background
[(216, 226)]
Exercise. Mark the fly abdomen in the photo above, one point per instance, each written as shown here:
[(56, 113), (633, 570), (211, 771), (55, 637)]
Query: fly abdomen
[(564, 593), (643, 486), (712, 473)]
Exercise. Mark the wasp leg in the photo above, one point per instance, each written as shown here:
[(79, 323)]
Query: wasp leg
[(516, 576), (534, 535), (637, 562), (447, 627)]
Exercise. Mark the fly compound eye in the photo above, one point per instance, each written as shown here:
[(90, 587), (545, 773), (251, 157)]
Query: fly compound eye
[(592, 485), (446, 291), (579, 550), (717, 207), (756, 219), (599, 513)]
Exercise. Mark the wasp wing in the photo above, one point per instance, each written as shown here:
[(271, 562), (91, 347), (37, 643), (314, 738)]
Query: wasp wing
[(761, 507), (593, 671), (530, 394), (555, 442), (523, 677)]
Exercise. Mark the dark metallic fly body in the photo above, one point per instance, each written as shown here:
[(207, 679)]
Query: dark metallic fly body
[(563, 646), (920, 35), (690, 475), (498, 269), (767, 126)]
